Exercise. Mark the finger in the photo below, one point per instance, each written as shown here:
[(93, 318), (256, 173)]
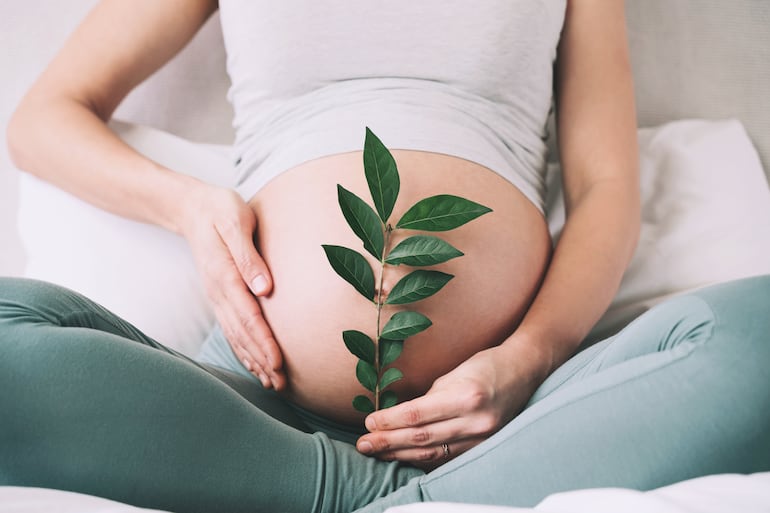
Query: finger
[(253, 368), (228, 304), (249, 328), (423, 436), (269, 358), (258, 340), (252, 361), (238, 237), (434, 456), (251, 364), (259, 337), (432, 407)]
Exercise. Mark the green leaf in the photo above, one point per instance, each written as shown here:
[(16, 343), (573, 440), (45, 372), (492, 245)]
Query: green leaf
[(388, 399), (363, 404), (359, 344), (381, 175), (362, 220), (353, 268), (390, 376), (421, 250), (405, 324), (417, 285), (390, 350), (366, 375), (441, 213)]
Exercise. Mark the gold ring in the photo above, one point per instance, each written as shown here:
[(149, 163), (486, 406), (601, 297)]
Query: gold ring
[(446, 450)]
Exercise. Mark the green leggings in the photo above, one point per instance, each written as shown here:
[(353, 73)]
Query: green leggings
[(90, 404)]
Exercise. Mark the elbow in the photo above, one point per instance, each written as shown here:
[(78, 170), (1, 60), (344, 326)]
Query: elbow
[(633, 221), (31, 128), (39, 122), (15, 140), (20, 137), (635, 232), (635, 210)]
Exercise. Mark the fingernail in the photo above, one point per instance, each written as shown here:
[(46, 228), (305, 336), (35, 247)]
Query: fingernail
[(246, 364), (370, 424), (259, 284), (365, 447)]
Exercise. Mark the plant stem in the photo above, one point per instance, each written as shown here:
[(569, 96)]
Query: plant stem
[(388, 230)]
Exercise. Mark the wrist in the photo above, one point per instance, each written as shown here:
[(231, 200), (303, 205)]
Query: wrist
[(181, 198), (534, 355)]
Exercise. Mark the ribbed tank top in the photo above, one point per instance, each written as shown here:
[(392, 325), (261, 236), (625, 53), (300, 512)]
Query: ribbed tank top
[(467, 78)]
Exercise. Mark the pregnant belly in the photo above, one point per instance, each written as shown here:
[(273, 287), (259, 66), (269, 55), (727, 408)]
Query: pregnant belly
[(506, 253)]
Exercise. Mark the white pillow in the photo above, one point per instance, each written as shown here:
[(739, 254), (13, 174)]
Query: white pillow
[(706, 219), (710, 494), (705, 215), (141, 272)]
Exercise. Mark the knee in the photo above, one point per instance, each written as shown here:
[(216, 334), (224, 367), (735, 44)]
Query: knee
[(24, 290), (26, 300), (738, 348), (748, 297), (741, 309)]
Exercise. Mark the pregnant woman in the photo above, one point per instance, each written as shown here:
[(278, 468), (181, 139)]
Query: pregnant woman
[(262, 419)]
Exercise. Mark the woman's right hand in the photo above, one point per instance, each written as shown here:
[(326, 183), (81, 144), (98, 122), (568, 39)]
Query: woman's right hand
[(219, 227), (117, 46)]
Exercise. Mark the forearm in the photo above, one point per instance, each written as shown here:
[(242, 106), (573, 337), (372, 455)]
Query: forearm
[(596, 123), (59, 130), (64, 142)]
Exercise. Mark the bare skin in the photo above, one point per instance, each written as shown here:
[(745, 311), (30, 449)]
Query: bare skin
[(59, 134), (506, 253), (596, 123)]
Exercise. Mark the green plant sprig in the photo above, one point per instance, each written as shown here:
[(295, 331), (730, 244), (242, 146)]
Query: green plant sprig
[(443, 212)]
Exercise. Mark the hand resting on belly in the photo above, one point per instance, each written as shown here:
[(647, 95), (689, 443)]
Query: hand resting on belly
[(506, 253)]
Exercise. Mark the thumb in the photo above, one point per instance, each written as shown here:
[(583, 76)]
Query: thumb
[(261, 284), (255, 273), (251, 265)]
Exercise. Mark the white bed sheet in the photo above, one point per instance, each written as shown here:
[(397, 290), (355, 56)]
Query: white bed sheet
[(725, 493)]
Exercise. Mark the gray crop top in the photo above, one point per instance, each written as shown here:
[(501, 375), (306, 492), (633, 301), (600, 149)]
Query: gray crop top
[(467, 78)]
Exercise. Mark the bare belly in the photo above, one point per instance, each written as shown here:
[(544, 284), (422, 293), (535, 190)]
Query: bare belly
[(506, 253)]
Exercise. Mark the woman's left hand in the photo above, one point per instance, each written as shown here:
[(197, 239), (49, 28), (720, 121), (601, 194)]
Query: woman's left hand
[(461, 409)]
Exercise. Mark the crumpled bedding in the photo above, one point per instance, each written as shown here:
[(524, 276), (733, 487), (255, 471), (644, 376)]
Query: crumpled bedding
[(725, 493)]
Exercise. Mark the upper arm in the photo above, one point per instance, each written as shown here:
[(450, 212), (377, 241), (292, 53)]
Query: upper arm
[(118, 45), (596, 116)]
